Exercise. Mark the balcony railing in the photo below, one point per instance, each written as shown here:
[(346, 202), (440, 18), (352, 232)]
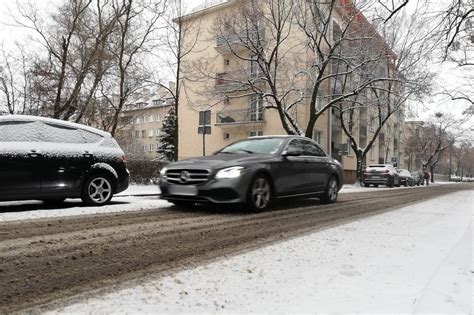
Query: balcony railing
[(238, 79), (234, 41), (241, 116)]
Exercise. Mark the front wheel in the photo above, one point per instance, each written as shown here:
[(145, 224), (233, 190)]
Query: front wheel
[(97, 190), (330, 195), (390, 182), (260, 193)]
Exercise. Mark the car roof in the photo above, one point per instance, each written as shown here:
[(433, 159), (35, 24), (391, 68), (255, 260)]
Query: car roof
[(53, 121), (280, 136)]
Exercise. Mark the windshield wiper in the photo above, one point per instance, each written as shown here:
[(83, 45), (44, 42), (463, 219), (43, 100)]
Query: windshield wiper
[(247, 151)]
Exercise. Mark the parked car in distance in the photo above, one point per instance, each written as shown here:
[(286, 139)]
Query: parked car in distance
[(405, 178), (417, 178), (381, 174), (255, 171), (51, 160)]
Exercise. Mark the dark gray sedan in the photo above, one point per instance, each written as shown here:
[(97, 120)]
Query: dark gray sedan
[(256, 171)]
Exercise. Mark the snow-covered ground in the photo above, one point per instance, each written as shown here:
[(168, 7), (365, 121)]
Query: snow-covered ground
[(31, 209), (136, 197), (417, 259)]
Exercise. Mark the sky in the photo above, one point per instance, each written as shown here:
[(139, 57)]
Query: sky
[(449, 76)]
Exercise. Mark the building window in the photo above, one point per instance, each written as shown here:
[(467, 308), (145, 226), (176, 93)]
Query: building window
[(143, 133), (226, 62), (254, 66), (255, 133), (204, 122), (150, 148), (256, 108), (150, 118), (157, 132), (150, 133), (137, 134), (317, 135)]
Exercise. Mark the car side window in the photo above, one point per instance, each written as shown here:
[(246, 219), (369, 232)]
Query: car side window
[(296, 145), (61, 134), (90, 137), (19, 131), (312, 149)]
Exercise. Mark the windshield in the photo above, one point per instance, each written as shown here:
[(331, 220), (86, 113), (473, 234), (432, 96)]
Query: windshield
[(261, 146)]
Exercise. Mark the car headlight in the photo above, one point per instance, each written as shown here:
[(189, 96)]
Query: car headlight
[(163, 172), (230, 172)]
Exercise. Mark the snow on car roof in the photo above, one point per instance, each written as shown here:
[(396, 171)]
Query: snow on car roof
[(53, 121)]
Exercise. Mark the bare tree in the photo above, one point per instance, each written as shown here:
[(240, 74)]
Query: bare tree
[(392, 70), (14, 80), (137, 26), (73, 41), (433, 138), (181, 37)]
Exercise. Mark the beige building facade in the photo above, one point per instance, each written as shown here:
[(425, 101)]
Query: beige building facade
[(216, 109)]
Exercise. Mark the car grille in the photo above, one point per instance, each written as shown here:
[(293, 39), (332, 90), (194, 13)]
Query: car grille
[(187, 176)]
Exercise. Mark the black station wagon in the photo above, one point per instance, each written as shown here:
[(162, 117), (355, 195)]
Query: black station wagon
[(50, 160)]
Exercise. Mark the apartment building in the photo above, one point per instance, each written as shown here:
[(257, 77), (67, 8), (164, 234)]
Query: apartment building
[(225, 93), (141, 122)]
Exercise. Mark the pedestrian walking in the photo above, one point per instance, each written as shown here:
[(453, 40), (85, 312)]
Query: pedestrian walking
[(426, 176)]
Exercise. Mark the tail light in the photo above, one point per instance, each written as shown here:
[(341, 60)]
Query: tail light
[(123, 158)]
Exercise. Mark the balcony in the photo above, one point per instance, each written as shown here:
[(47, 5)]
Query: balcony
[(247, 38), (240, 116), (237, 80)]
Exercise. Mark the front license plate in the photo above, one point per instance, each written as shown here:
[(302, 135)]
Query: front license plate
[(375, 176), (183, 190)]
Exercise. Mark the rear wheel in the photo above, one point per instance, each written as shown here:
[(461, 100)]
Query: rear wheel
[(260, 193), (366, 185), (97, 190), (330, 195)]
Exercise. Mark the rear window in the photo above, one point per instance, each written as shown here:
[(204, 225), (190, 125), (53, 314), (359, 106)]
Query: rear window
[(19, 131)]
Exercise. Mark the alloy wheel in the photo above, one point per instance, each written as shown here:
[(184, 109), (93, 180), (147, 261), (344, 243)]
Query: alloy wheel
[(261, 193), (99, 190), (332, 190)]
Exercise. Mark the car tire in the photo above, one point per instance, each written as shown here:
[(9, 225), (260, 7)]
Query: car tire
[(366, 185), (330, 195), (260, 194), (390, 182), (97, 190), (376, 185)]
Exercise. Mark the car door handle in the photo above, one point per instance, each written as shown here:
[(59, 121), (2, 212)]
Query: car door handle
[(33, 154)]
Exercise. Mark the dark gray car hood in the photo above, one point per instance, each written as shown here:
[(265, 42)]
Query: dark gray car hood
[(219, 161)]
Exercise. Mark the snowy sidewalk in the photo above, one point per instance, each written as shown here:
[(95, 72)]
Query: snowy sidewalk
[(413, 260)]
